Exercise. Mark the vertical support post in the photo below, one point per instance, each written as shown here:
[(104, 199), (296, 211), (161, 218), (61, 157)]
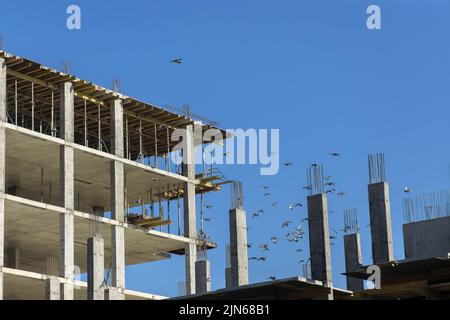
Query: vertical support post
[(202, 276), (66, 166), (117, 202), (52, 289), (238, 247), (95, 268), (190, 230), (353, 260), (3, 104), (319, 239), (12, 259), (380, 223)]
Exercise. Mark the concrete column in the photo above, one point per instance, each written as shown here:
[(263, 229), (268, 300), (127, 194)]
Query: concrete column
[(228, 278), (3, 104), (238, 247), (66, 176), (96, 268), (117, 202), (190, 224), (13, 258), (114, 294), (380, 223), (319, 239), (202, 276), (353, 260), (52, 289)]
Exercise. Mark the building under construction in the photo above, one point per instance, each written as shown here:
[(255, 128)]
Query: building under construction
[(87, 186)]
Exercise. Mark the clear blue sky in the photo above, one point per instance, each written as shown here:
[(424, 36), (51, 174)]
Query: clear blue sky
[(310, 68)]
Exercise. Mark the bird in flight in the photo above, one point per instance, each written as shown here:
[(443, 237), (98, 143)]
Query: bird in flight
[(304, 220), (335, 154), (264, 247), (407, 190), (330, 184), (268, 194), (288, 164), (299, 250), (249, 245), (207, 219), (209, 206), (176, 61), (286, 224), (309, 188), (273, 278), (342, 194), (274, 240), (301, 261), (275, 204), (328, 177), (255, 215), (294, 206), (265, 187)]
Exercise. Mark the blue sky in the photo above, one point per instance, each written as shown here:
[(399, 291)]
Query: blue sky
[(310, 68)]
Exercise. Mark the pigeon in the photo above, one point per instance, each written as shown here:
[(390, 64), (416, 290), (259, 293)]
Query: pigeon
[(207, 219), (265, 187), (330, 191), (273, 278), (407, 190), (309, 188), (274, 240), (304, 220), (268, 194), (335, 154), (255, 215), (286, 224), (330, 184), (176, 61), (249, 245), (263, 259), (299, 250), (264, 247), (301, 261), (294, 206), (342, 194), (288, 164), (328, 178), (209, 206), (275, 204)]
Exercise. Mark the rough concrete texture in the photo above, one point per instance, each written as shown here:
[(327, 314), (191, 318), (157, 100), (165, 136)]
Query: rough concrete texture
[(380, 223), (67, 190), (190, 223), (238, 247), (202, 276), (96, 268), (12, 259), (114, 294), (427, 239), (353, 260), (228, 278), (52, 289), (117, 137), (319, 239)]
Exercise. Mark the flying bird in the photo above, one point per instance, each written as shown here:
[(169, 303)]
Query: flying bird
[(273, 278), (308, 188), (330, 184), (342, 194), (255, 215), (304, 220), (268, 194), (294, 206), (299, 250), (288, 164), (274, 240), (265, 187), (176, 61), (264, 247), (328, 178), (301, 261), (275, 204), (209, 206), (286, 224), (249, 245), (335, 154), (407, 190)]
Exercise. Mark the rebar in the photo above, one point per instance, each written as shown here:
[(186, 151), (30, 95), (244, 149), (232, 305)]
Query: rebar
[(315, 180), (351, 225), (426, 206), (377, 170)]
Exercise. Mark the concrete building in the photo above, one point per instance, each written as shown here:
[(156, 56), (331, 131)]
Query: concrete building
[(76, 157)]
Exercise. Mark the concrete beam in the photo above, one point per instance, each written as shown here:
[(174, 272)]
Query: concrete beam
[(380, 223), (66, 165), (12, 258), (319, 239), (52, 289), (114, 294), (238, 247), (3, 106), (203, 276), (353, 260), (96, 268), (190, 224)]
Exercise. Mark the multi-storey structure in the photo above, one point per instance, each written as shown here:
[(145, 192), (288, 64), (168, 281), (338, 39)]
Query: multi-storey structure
[(87, 185)]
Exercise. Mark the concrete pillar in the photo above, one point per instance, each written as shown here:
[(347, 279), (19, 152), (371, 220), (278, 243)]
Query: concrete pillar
[(13, 258), (117, 202), (52, 289), (380, 223), (114, 294), (319, 239), (3, 107), (202, 276), (228, 278), (190, 224), (353, 260), (96, 268), (66, 176), (98, 211), (238, 247)]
